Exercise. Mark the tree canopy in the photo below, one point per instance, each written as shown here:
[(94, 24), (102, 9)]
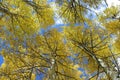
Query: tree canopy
[(85, 47)]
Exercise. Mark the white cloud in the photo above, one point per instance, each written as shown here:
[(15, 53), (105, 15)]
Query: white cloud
[(110, 3), (113, 2)]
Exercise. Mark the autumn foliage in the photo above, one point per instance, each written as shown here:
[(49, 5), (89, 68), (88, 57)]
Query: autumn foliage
[(81, 46)]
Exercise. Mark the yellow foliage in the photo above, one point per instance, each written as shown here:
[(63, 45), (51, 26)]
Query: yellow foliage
[(56, 54), (116, 46), (113, 26)]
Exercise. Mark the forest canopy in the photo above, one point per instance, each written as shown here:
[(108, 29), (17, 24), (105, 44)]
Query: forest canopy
[(85, 46)]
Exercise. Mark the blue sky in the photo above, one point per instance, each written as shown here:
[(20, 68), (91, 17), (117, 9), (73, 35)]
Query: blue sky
[(1, 60)]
